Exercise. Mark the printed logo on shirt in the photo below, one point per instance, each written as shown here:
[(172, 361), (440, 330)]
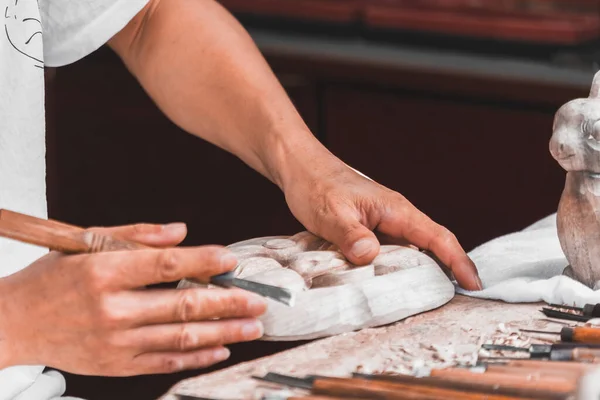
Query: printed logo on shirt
[(23, 29)]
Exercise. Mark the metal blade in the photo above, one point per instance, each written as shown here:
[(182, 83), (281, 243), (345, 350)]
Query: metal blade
[(301, 383), (544, 332), (566, 307), (550, 313), (276, 293), (501, 360), (281, 295), (503, 347)]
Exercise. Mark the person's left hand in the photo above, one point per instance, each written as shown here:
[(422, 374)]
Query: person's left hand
[(338, 204)]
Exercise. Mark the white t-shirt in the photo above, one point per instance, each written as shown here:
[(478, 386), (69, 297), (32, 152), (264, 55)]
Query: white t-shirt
[(34, 34)]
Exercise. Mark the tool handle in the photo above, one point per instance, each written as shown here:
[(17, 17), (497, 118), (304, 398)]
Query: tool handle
[(586, 355), (58, 236), (395, 391), (591, 310), (536, 381), (473, 385), (580, 335), (567, 366), (582, 355)]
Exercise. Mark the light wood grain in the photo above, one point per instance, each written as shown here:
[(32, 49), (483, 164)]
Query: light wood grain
[(332, 295)]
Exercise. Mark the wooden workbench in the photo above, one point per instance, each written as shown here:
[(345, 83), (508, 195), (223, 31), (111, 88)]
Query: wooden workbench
[(462, 325)]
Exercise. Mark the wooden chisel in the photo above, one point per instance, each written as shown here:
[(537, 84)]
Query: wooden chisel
[(573, 335), (73, 239), (353, 387)]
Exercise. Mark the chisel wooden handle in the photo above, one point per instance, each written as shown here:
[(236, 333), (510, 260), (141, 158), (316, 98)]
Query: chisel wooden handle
[(395, 391), (542, 372), (470, 386), (58, 236), (580, 335), (530, 381), (545, 365), (580, 355)]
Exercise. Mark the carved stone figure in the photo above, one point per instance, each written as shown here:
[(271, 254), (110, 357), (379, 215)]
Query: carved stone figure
[(332, 295), (575, 145)]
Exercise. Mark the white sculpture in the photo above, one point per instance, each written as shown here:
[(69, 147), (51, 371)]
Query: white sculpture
[(332, 295)]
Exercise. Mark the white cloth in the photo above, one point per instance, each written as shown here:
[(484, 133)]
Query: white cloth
[(35, 33), (526, 266)]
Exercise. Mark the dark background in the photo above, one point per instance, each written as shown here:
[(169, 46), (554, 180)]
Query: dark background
[(470, 149)]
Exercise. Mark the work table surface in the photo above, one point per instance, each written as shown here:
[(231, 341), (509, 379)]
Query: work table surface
[(461, 326)]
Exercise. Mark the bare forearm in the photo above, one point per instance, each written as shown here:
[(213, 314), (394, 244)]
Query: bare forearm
[(205, 73)]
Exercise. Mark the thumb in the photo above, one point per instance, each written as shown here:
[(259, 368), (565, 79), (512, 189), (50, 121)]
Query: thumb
[(153, 235), (358, 244)]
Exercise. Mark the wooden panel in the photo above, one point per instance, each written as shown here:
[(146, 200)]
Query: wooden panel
[(481, 169), (338, 11), (562, 29), (434, 80)]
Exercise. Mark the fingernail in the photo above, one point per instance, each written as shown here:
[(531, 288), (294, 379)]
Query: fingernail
[(228, 261), (256, 304), (177, 228), (221, 354), (362, 248), (252, 330), (479, 283)]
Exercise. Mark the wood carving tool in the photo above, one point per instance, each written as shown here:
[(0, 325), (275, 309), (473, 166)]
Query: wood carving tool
[(286, 396), (579, 354), (540, 350), (273, 396), (544, 364), (574, 335), (70, 239), (588, 310), (526, 370), (382, 390), (475, 385), (552, 313)]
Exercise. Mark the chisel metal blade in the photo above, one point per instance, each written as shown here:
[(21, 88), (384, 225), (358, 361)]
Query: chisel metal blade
[(502, 347), (550, 313), (291, 381), (566, 307), (281, 295)]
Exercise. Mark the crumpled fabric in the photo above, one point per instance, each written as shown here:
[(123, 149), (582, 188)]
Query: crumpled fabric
[(526, 266)]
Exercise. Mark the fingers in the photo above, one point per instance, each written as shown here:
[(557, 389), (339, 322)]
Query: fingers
[(148, 307), (358, 243), (148, 234), (405, 221), (134, 269), (194, 335), (171, 362)]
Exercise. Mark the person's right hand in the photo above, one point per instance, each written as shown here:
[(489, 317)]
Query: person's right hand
[(91, 314)]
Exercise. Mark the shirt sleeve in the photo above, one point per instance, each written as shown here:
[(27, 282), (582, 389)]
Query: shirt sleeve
[(73, 29)]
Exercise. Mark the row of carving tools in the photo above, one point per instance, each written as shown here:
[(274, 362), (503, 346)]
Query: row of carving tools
[(547, 372), (524, 379)]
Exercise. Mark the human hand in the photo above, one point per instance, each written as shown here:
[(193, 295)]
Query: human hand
[(86, 314), (338, 204)]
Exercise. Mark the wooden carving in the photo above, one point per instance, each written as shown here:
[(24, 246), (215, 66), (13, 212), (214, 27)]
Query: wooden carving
[(332, 295), (575, 145)]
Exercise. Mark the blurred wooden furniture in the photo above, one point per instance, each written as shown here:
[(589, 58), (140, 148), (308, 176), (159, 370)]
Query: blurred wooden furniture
[(558, 22), (430, 122)]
